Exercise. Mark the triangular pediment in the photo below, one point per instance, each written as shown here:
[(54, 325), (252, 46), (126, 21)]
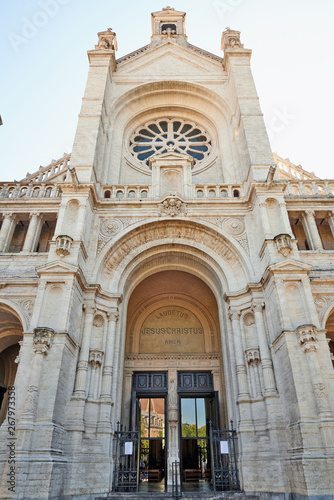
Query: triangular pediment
[(57, 267), (290, 266), (170, 59)]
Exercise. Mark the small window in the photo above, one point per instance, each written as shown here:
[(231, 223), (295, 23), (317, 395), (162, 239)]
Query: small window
[(132, 194), (36, 193), (23, 192), (223, 193), (11, 193), (236, 193), (200, 193), (212, 193), (165, 27), (107, 194), (119, 194), (143, 194), (48, 192)]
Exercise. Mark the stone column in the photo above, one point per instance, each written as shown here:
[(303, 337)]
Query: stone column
[(285, 217), (239, 355), (107, 376), (267, 366), (307, 337), (173, 414), (7, 230), (80, 384), (330, 219), (33, 232), (312, 230), (107, 373), (265, 220), (43, 338)]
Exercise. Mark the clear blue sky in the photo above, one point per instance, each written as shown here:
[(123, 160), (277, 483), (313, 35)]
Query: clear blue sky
[(44, 69)]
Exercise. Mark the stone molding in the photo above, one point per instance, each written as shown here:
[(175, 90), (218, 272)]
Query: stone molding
[(171, 357)]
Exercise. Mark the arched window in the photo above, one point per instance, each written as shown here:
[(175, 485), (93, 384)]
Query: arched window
[(236, 193), (223, 193), (212, 193), (120, 194), (107, 194), (143, 194), (131, 194), (199, 193)]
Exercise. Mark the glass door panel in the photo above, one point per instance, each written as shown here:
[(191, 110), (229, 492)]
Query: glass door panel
[(152, 447)]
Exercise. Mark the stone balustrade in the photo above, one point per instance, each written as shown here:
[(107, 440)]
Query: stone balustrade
[(17, 190), (206, 191), (44, 173), (309, 187)]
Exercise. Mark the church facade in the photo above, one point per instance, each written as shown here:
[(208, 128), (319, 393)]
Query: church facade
[(161, 281)]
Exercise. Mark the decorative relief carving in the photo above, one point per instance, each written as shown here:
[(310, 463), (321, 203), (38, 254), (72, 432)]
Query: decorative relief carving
[(189, 231), (307, 336), (43, 338), (243, 240), (98, 321), (172, 207), (322, 302), (249, 319), (108, 229), (26, 305), (31, 399), (234, 226), (321, 397), (107, 40), (18, 357), (231, 39), (63, 245)]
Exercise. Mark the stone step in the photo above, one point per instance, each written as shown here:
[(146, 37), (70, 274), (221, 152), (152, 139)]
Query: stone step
[(168, 496)]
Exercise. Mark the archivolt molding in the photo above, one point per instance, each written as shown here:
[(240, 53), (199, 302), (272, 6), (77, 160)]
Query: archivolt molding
[(16, 307), (162, 259), (324, 305), (233, 264)]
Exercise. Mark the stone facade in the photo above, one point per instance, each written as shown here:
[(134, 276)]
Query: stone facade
[(168, 202)]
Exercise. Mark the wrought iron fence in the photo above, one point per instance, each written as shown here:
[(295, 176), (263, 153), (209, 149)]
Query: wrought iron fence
[(225, 476), (126, 473)]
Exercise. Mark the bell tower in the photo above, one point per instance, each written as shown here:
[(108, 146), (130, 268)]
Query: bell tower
[(168, 23)]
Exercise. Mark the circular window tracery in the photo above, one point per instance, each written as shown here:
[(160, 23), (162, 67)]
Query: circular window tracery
[(176, 135)]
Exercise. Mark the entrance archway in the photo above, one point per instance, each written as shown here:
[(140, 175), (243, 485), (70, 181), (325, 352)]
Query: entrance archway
[(330, 334), (10, 334), (173, 363)]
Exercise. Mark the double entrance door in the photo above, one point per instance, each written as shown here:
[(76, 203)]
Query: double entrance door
[(196, 409)]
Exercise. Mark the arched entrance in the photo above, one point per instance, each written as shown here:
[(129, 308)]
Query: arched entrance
[(10, 334), (330, 334), (174, 385)]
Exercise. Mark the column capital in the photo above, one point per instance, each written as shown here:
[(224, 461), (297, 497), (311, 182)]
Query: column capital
[(9, 215), (35, 215), (89, 308), (95, 357), (43, 339), (258, 306), (113, 315), (307, 334), (309, 213), (234, 314)]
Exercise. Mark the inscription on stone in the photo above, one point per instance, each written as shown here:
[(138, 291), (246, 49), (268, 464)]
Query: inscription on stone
[(171, 329)]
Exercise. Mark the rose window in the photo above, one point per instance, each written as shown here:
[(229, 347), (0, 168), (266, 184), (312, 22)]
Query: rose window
[(162, 136)]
